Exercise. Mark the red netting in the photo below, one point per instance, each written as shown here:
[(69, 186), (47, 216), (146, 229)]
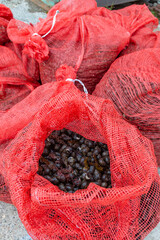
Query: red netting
[(5, 16), (129, 210), (88, 44), (4, 190), (139, 21), (132, 18), (133, 84), (15, 82), (142, 36), (30, 65)]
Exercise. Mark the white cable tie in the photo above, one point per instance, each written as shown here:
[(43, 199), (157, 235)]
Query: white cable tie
[(53, 23), (77, 80), (35, 34)]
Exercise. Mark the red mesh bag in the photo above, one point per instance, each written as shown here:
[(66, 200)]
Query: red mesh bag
[(138, 20), (85, 44), (142, 36), (133, 84), (5, 16), (132, 18), (4, 190), (129, 210), (15, 83), (142, 39), (30, 65)]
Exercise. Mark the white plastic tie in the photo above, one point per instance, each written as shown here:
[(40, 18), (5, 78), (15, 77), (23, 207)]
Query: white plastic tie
[(77, 80), (53, 23), (35, 34)]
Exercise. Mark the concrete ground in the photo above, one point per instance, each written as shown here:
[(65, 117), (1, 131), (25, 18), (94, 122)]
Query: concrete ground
[(24, 10), (11, 227)]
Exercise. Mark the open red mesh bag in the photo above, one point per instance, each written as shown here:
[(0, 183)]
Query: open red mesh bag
[(133, 84), (5, 16), (138, 20), (15, 82), (78, 45), (129, 210)]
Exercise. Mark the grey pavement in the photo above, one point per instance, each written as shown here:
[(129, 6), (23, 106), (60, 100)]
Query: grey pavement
[(11, 227), (24, 10)]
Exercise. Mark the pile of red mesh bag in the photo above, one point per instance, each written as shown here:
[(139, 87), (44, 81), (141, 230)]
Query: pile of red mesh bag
[(85, 40), (115, 55), (79, 45)]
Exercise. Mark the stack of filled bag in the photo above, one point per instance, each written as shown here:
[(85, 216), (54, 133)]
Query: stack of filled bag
[(114, 54)]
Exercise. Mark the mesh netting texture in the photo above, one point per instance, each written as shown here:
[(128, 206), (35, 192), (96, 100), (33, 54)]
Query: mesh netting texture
[(138, 21), (133, 84), (5, 16), (129, 210), (30, 65), (15, 82)]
